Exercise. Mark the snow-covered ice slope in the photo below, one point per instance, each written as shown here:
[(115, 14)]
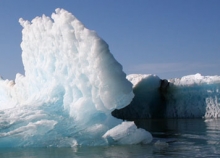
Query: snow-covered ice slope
[(71, 85)]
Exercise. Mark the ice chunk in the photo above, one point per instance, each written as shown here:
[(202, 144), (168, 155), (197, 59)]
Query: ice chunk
[(192, 96), (71, 85), (63, 53), (128, 133)]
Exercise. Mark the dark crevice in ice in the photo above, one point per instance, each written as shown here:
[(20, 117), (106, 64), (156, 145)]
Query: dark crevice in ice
[(147, 103)]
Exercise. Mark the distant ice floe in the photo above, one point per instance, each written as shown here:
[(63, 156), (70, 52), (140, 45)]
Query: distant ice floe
[(193, 96)]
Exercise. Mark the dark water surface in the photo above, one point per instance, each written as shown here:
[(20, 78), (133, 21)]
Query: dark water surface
[(172, 138)]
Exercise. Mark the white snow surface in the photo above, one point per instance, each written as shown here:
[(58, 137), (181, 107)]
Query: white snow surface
[(71, 84), (196, 79), (153, 80)]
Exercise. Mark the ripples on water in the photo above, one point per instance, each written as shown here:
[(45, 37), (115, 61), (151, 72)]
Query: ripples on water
[(172, 138)]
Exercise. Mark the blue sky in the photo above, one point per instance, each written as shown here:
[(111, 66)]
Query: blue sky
[(169, 38)]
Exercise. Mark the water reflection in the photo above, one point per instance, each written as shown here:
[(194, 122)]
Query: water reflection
[(213, 131), (196, 136), (173, 128)]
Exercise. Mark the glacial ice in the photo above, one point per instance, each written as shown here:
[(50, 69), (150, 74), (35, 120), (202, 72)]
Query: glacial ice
[(71, 85), (192, 96), (128, 133)]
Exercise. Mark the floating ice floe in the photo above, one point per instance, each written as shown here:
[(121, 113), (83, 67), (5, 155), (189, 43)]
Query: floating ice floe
[(193, 96)]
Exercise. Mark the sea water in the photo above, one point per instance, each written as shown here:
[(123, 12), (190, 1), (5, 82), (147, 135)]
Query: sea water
[(172, 138)]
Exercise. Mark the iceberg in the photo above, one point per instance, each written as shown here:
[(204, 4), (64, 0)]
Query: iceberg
[(192, 96), (74, 92), (71, 85)]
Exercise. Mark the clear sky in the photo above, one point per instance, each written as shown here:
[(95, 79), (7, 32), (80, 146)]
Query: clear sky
[(169, 38)]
